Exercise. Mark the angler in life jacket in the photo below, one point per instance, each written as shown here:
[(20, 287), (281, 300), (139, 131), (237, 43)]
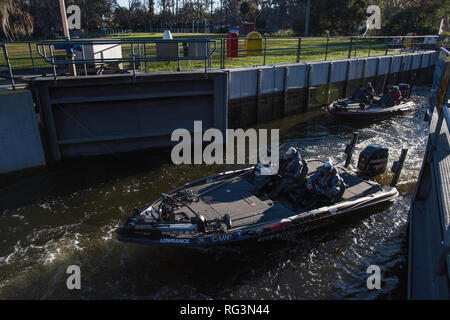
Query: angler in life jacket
[(392, 97), (290, 168), (368, 94), (365, 95), (325, 184)]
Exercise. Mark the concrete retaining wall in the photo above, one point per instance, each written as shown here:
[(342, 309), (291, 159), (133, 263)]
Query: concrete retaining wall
[(269, 92), (116, 113), (20, 142)]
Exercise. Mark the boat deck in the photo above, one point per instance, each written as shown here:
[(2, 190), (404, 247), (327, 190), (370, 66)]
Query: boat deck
[(234, 197)]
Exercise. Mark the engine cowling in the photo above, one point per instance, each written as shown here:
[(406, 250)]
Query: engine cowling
[(373, 160)]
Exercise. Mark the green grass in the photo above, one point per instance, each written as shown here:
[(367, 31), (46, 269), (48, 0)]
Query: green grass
[(279, 50)]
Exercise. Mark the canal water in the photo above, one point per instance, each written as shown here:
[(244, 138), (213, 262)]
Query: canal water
[(66, 215)]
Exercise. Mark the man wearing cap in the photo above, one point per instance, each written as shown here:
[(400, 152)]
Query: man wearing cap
[(324, 184), (290, 169), (392, 97)]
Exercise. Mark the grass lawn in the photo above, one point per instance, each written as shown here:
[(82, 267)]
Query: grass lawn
[(278, 50)]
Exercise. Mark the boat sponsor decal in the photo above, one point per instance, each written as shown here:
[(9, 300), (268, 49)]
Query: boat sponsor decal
[(280, 225), (200, 240), (293, 232), (174, 240), (239, 234), (279, 235), (222, 237)]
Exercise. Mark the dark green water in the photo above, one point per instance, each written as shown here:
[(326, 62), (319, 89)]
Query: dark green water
[(67, 214)]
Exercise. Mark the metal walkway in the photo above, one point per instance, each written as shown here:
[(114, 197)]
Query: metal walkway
[(429, 216)]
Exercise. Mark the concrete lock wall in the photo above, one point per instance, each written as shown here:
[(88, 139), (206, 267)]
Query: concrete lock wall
[(20, 142), (117, 113), (269, 92)]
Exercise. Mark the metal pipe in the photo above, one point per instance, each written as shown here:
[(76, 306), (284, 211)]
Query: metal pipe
[(265, 50), (31, 54), (8, 63), (145, 56), (133, 62), (299, 48), (53, 61), (326, 51), (84, 58), (350, 48), (206, 59)]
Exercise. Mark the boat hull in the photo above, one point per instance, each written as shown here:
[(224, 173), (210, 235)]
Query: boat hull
[(292, 224), (371, 112)]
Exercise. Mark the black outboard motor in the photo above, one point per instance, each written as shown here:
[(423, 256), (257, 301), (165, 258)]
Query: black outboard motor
[(372, 161), (404, 89)]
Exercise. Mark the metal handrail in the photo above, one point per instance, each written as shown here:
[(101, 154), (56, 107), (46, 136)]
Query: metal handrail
[(134, 58), (354, 43)]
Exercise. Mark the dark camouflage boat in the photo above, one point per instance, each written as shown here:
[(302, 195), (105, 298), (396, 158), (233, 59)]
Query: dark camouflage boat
[(226, 208), (355, 108)]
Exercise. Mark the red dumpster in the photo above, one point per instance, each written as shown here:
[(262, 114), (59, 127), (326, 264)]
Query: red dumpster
[(232, 44)]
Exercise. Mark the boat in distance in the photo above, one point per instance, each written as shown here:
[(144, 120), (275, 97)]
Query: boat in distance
[(374, 108)]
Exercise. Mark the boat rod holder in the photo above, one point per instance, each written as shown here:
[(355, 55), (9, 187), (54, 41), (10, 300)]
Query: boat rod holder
[(397, 167), (350, 148)]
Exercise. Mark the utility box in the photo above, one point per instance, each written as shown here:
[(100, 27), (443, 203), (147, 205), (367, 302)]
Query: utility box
[(167, 49), (253, 43), (101, 53), (198, 49)]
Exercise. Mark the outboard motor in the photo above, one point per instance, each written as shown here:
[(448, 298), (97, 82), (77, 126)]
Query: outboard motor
[(404, 89), (372, 161)]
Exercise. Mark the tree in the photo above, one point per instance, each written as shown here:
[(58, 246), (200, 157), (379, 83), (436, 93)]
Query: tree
[(419, 16), (249, 10), (14, 20), (338, 17)]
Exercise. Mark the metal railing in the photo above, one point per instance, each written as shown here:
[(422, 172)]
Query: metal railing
[(349, 45), (141, 53)]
